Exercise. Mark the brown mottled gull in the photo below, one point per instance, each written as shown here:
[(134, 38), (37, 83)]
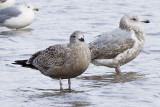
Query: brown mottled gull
[(62, 61), (120, 46)]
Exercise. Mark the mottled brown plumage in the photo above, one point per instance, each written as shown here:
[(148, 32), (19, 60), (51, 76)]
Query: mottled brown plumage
[(63, 61)]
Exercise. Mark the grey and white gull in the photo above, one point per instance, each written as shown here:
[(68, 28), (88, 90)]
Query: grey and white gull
[(120, 46), (17, 17), (62, 61), (6, 3)]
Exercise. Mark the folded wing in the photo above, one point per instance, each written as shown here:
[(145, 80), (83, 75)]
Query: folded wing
[(109, 45), (8, 13), (54, 56)]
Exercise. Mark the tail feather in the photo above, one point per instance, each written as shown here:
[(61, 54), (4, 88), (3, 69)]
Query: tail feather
[(23, 63)]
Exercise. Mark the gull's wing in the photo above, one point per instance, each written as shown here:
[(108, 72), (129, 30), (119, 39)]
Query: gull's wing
[(56, 55), (109, 45), (8, 13)]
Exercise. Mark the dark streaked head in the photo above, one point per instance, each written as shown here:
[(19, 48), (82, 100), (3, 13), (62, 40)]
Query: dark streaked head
[(77, 37)]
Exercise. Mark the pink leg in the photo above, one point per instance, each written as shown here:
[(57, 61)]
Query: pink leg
[(69, 84), (118, 70), (60, 83)]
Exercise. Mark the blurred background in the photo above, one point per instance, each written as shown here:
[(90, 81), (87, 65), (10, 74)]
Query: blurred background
[(138, 85)]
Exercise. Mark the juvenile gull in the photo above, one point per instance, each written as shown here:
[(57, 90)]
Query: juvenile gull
[(17, 17), (62, 61), (6, 3), (121, 45)]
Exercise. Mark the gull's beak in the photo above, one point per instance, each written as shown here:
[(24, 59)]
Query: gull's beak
[(81, 39), (145, 21), (35, 9)]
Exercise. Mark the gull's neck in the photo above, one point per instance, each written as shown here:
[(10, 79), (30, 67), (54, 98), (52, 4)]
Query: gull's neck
[(139, 33)]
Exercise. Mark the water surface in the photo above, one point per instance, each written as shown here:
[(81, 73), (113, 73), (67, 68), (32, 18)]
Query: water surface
[(138, 85)]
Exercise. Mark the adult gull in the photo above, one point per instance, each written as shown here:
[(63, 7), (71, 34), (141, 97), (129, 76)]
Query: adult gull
[(61, 61), (17, 17), (120, 46), (6, 3)]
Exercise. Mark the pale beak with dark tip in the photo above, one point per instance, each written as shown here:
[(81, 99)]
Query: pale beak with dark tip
[(35, 9), (145, 21), (81, 39)]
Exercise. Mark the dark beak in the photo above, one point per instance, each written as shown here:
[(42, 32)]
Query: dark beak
[(35, 9), (145, 21), (81, 39)]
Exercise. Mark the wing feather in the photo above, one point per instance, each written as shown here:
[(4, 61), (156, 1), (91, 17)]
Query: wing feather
[(109, 45), (8, 13), (56, 55)]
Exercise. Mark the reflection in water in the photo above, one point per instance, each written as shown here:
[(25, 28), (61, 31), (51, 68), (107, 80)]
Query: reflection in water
[(23, 32), (53, 25), (55, 96), (103, 80), (43, 93), (77, 97)]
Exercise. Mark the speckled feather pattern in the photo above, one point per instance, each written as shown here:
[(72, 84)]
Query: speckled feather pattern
[(62, 61)]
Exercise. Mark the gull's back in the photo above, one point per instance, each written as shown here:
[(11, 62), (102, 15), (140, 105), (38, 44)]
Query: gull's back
[(109, 45), (8, 13)]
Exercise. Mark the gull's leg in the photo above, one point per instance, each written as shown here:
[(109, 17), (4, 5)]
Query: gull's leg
[(118, 70), (60, 83), (69, 84)]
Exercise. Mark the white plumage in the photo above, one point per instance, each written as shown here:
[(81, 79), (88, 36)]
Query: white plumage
[(17, 17)]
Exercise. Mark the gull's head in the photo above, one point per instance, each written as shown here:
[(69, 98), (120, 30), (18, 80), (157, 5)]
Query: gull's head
[(29, 7), (77, 37), (131, 22)]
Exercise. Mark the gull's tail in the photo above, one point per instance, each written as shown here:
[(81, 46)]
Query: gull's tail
[(23, 63)]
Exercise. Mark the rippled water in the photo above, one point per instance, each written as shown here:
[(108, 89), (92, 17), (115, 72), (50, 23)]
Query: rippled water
[(137, 86)]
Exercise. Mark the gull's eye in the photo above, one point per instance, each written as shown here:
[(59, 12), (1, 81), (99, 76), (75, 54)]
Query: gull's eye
[(28, 7), (74, 36), (134, 19)]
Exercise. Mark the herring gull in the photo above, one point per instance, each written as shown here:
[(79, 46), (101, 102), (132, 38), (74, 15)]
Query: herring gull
[(120, 46), (17, 17), (61, 61), (6, 3)]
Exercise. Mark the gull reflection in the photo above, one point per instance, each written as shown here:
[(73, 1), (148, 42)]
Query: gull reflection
[(19, 32), (103, 80), (60, 98)]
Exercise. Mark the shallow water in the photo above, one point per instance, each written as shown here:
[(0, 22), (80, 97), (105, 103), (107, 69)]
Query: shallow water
[(137, 86)]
